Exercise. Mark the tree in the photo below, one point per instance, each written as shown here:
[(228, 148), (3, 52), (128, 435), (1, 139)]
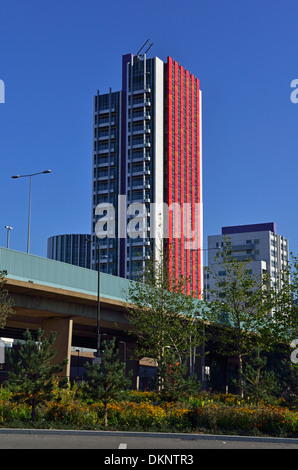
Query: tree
[(162, 316), (177, 383), (6, 302), (283, 297), (32, 375), (259, 383), (107, 380), (287, 375), (240, 308)]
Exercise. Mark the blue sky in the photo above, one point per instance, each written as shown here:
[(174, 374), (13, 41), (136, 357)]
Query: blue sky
[(56, 54)]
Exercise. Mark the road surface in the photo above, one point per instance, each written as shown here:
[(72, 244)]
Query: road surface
[(121, 441)]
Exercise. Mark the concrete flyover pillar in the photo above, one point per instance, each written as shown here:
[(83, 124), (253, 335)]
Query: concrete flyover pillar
[(63, 329), (132, 364)]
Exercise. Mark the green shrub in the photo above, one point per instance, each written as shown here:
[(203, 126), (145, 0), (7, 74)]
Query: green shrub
[(141, 411)]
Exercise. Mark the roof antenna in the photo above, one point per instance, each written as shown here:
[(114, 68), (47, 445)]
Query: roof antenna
[(140, 56)]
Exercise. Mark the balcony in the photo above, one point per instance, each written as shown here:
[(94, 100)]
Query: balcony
[(139, 173), (140, 116), (106, 137), (106, 110), (106, 162), (106, 177), (112, 122), (106, 150), (136, 145), (140, 157), (142, 90), (143, 130), (244, 247), (142, 103), (247, 257), (140, 186)]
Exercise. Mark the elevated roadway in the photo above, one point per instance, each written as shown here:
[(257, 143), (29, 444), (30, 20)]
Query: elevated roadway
[(60, 297)]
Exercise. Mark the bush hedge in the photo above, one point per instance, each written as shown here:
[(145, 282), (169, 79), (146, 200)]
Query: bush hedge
[(221, 414)]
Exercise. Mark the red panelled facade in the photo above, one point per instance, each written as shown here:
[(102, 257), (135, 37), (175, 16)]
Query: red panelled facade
[(184, 176)]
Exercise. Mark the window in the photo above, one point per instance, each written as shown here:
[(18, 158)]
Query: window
[(138, 141), (102, 173), (103, 133), (139, 181), (139, 167), (137, 195), (103, 146), (103, 186), (103, 119)]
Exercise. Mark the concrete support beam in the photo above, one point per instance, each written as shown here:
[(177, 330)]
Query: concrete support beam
[(63, 328), (132, 364)]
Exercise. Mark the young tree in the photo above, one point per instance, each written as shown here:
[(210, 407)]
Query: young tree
[(287, 375), (177, 382), (283, 297), (32, 375), (240, 309), (162, 316), (6, 302), (107, 380), (259, 383)]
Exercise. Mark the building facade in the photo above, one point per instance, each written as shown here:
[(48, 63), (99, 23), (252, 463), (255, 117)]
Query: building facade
[(147, 169), (70, 248), (106, 173), (260, 244)]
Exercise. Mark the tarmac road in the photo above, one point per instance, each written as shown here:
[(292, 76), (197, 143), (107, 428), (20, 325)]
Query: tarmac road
[(121, 441)]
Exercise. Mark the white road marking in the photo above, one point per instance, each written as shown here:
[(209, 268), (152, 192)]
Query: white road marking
[(122, 446)]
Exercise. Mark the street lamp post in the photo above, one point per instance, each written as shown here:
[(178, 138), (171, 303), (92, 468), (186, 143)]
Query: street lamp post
[(203, 374), (124, 355), (8, 228), (78, 364), (205, 295), (98, 355), (29, 212)]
